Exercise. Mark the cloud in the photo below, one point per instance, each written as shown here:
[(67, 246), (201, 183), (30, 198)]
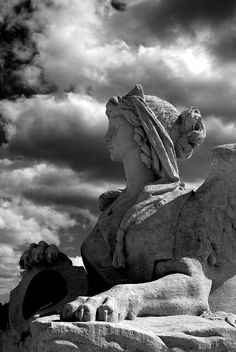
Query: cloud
[(77, 261), (68, 132), (74, 57), (166, 20), (9, 270), (223, 46), (70, 53), (57, 197), (22, 222), (57, 186), (8, 262), (18, 49), (47, 182)]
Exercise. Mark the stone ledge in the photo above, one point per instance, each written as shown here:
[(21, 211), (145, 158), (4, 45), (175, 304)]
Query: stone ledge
[(148, 334)]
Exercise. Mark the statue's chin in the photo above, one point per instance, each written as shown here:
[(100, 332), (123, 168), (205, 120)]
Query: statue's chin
[(115, 157)]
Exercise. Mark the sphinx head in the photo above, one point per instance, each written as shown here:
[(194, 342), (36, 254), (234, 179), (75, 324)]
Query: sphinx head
[(154, 125)]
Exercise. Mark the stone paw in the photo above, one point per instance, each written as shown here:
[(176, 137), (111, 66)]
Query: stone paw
[(109, 311), (111, 306), (86, 312), (69, 310), (41, 254)]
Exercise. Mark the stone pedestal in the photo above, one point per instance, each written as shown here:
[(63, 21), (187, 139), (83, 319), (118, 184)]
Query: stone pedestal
[(148, 334)]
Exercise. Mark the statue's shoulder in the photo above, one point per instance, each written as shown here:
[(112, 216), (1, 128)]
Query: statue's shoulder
[(107, 198)]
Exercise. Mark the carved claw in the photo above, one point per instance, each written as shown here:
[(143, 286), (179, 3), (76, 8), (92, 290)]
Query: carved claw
[(67, 313), (85, 312), (105, 314), (108, 312), (231, 319), (79, 314)]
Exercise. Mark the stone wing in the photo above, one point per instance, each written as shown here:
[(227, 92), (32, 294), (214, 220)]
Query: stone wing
[(207, 224)]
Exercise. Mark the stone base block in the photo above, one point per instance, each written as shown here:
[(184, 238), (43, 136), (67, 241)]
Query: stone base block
[(147, 334)]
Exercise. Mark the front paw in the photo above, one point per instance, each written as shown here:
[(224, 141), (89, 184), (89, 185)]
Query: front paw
[(41, 254), (86, 309), (110, 311), (112, 306)]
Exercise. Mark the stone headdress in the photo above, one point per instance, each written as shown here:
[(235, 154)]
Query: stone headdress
[(163, 136)]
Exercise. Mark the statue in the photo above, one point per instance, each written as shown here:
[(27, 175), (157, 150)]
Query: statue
[(158, 249)]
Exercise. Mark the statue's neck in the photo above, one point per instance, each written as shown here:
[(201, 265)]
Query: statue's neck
[(137, 174)]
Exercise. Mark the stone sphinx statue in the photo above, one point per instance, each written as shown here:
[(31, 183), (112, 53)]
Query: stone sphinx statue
[(159, 249)]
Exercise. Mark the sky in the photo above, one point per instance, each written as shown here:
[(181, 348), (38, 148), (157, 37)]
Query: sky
[(60, 61)]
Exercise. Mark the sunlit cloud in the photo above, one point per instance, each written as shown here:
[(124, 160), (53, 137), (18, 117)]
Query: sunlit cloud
[(77, 261)]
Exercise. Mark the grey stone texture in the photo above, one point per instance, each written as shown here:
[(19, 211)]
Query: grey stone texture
[(149, 334), (48, 286)]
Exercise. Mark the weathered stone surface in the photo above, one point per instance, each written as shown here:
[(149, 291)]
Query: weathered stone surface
[(147, 334), (40, 286), (10, 343), (207, 228)]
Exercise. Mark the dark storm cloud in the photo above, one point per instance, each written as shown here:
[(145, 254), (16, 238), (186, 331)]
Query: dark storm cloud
[(118, 5), (165, 19), (168, 20), (64, 197), (71, 147), (17, 47), (20, 73), (223, 46), (214, 95), (62, 132), (3, 134)]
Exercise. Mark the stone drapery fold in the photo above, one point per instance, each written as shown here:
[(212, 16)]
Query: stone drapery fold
[(164, 162)]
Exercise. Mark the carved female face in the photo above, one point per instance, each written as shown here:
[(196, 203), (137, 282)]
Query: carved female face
[(119, 138)]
